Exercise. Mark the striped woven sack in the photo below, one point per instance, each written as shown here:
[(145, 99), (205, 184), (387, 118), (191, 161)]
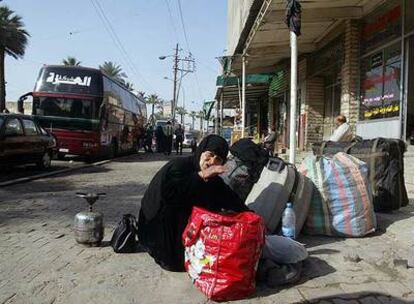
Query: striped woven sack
[(341, 204)]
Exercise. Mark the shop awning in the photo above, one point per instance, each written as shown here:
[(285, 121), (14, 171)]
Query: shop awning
[(253, 79), (265, 39)]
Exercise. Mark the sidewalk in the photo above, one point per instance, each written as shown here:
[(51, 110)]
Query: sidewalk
[(41, 262)]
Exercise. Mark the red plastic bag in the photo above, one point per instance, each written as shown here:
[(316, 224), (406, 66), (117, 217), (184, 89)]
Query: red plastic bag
[(222, 252)]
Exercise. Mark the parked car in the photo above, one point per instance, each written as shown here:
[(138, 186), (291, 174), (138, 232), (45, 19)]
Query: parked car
[(23, 141), (188, 138)]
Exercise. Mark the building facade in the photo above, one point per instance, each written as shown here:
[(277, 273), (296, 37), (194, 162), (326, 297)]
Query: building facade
[(356, 57)]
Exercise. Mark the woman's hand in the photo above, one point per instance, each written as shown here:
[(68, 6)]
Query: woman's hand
[(211, 172)]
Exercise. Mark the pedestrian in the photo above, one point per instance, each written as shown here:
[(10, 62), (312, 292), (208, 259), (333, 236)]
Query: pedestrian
[(179, 138), (193, 144), (178, 186), (148, 139), (168, 133), (160, 139), (343, 130)]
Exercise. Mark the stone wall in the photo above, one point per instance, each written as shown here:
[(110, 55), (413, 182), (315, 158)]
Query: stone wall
[(351, 72)]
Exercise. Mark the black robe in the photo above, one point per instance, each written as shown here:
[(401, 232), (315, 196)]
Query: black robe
[(167, 204)]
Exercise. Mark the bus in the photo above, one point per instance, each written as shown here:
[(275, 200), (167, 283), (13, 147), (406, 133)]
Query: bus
[(89, 113)]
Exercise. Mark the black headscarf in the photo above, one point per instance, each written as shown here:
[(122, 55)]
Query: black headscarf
[(213, 143)]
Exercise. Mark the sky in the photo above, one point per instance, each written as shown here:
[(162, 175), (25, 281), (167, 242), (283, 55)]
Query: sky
[(134, 35)]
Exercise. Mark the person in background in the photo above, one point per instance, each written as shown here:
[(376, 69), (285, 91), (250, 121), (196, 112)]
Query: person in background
[(179, 137), (270, 140), (148, 139), (168, 133), (182, 183), (160, 139), (343, 130)]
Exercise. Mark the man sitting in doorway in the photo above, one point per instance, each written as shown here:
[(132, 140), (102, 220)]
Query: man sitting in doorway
[(343, 130)]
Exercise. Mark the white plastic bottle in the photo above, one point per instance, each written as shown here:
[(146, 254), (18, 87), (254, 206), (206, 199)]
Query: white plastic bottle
[(289, 222)]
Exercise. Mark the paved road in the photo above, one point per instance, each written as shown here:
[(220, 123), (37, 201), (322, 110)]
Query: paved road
[(41, 263)]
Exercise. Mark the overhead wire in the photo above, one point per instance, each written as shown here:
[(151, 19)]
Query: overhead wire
[(188, 46), (112, 33), (167, 2)]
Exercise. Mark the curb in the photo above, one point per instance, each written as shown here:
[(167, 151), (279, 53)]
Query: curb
[(47, 174)]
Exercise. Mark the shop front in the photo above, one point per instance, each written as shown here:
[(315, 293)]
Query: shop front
[(381, 86)]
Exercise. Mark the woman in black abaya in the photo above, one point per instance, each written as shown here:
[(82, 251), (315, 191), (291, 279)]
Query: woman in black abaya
[(178, 186)]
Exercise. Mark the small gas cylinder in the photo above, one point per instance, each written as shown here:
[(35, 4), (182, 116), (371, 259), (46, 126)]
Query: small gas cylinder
[(89, 225)]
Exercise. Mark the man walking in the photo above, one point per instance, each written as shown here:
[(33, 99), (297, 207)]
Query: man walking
[(179, 138)]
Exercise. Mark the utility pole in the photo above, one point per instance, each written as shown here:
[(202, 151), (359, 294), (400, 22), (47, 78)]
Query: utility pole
[(174, 105), (187, 66)]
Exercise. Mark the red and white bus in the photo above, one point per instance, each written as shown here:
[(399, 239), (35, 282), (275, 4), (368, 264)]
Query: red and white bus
[(89, 113)]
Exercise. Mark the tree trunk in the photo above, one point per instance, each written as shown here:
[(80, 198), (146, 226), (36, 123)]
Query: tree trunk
[(2, 83), (152, 111), (192, 123)]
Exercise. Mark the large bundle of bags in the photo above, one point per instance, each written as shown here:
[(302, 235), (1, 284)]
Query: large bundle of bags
[(222, 252), (266, 184), (385, 160), (342, 201)]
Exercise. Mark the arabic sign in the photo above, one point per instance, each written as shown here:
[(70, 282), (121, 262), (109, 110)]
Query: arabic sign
[(382, 28), (65, 79), (61, 79), (380, 86)]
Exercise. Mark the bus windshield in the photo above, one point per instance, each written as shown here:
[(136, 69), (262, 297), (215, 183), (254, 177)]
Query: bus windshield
[(66, 107)]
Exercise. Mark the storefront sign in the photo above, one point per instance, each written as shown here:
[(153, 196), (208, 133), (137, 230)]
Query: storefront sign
[(382, 28)]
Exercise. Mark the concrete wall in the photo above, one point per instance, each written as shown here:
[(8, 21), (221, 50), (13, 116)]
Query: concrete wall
[(237, 13)]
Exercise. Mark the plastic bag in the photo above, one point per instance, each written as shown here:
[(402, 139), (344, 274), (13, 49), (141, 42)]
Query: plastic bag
[(222, 252)]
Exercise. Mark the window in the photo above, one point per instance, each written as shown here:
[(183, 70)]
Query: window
[(29, 127), (409, 16), (381, 26), (66, 107), (13, 127), (380, 85)]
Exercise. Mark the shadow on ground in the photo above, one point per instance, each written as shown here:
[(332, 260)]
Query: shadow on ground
[(360, 297), (51, 200), (313, 267)]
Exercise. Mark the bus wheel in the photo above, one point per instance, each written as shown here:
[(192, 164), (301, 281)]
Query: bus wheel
[(45, 162)]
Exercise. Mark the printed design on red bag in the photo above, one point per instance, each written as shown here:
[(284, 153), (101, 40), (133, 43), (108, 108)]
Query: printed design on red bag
[(197, 259)]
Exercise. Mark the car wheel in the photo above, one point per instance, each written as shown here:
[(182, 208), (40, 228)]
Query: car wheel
[(46, 161)]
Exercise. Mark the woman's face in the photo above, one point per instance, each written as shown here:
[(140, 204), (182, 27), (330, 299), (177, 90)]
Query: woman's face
[(208, 159)]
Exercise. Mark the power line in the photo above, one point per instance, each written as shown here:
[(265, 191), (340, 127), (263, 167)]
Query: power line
[(172, 18), (188, 45), (108, 26)]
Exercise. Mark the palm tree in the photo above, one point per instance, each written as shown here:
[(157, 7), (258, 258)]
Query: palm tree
[(13, 42), (201, 116), (113, 70), (182, 112), (71, 61), (129, 85), (141, 94), (193, 116), (152, 100), (160, 107)]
